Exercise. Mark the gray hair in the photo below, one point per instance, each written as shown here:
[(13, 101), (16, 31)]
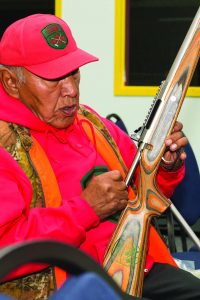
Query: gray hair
[(17, 70)]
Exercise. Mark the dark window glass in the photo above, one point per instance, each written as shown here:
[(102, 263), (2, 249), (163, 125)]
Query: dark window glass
[(12, 10), (155, 30)]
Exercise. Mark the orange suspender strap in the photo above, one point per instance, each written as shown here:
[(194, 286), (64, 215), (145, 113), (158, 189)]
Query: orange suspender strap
[(50, 189), (157, 248)]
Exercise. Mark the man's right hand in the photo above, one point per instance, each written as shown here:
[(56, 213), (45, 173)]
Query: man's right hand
[(106, 194)]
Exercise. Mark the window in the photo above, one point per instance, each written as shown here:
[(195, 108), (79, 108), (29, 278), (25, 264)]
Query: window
[(147, 38), (12, 10)]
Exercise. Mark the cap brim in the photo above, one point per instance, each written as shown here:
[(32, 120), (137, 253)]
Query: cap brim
[(63, 65)]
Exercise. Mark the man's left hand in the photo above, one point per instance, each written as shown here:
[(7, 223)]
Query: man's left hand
[(175, 144)]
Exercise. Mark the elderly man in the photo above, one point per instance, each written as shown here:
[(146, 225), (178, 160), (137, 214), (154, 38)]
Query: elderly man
[(56, 180)]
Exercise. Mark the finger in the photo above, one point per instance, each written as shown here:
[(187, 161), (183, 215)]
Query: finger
[(121, 186), (178, 126), (111, 175), (176, 140), (122, 204), (180, 143), (116, 175), (183, 156), (175, 136), (123, 194), (116, 195), (169, 156)]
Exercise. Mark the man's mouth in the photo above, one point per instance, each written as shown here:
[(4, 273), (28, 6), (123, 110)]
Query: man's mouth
[(69, 111)]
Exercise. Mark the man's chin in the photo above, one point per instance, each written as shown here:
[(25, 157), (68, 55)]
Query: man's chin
[(63, 123)]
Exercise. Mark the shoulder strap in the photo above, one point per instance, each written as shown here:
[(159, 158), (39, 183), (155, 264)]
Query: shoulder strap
[(47, 177)]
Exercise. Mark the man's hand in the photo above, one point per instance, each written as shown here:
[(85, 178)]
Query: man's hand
[(106, 194), (175, 146)]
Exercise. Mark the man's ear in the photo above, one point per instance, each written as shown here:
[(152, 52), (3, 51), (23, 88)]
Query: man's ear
[(10, 82)]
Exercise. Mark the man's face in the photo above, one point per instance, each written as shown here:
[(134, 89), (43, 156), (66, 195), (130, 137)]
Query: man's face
[(54, 101)]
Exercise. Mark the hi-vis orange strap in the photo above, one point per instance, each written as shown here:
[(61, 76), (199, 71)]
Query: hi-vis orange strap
[(157, 248), (50, 189)]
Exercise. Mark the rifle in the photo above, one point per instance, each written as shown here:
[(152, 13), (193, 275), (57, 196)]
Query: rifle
[(126, 253)]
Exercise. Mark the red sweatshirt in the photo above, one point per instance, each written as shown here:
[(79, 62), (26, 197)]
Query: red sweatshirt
[(72, 157)]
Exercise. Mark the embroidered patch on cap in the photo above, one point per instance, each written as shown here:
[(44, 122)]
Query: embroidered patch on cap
[(55, 36)]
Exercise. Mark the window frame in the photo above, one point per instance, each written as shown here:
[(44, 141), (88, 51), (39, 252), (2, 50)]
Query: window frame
[(58, 8)]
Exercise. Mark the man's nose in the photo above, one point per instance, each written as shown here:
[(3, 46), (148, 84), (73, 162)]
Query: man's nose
[(69, 87)]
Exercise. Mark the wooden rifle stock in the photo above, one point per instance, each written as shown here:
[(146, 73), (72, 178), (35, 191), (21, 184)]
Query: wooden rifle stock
[(126, 254)]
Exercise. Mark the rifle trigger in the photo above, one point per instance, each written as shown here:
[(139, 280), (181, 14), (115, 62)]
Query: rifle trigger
[(136, 134)]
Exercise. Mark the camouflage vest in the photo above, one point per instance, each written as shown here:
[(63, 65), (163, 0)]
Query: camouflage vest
[(38, 286)]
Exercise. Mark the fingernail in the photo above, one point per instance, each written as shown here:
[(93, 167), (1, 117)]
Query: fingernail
[(168, 142), (173, 147)]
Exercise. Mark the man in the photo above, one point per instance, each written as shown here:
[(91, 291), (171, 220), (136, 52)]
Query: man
[(56, 180)]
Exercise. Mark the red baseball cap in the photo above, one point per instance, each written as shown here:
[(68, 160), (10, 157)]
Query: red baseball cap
[(44, 45)]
